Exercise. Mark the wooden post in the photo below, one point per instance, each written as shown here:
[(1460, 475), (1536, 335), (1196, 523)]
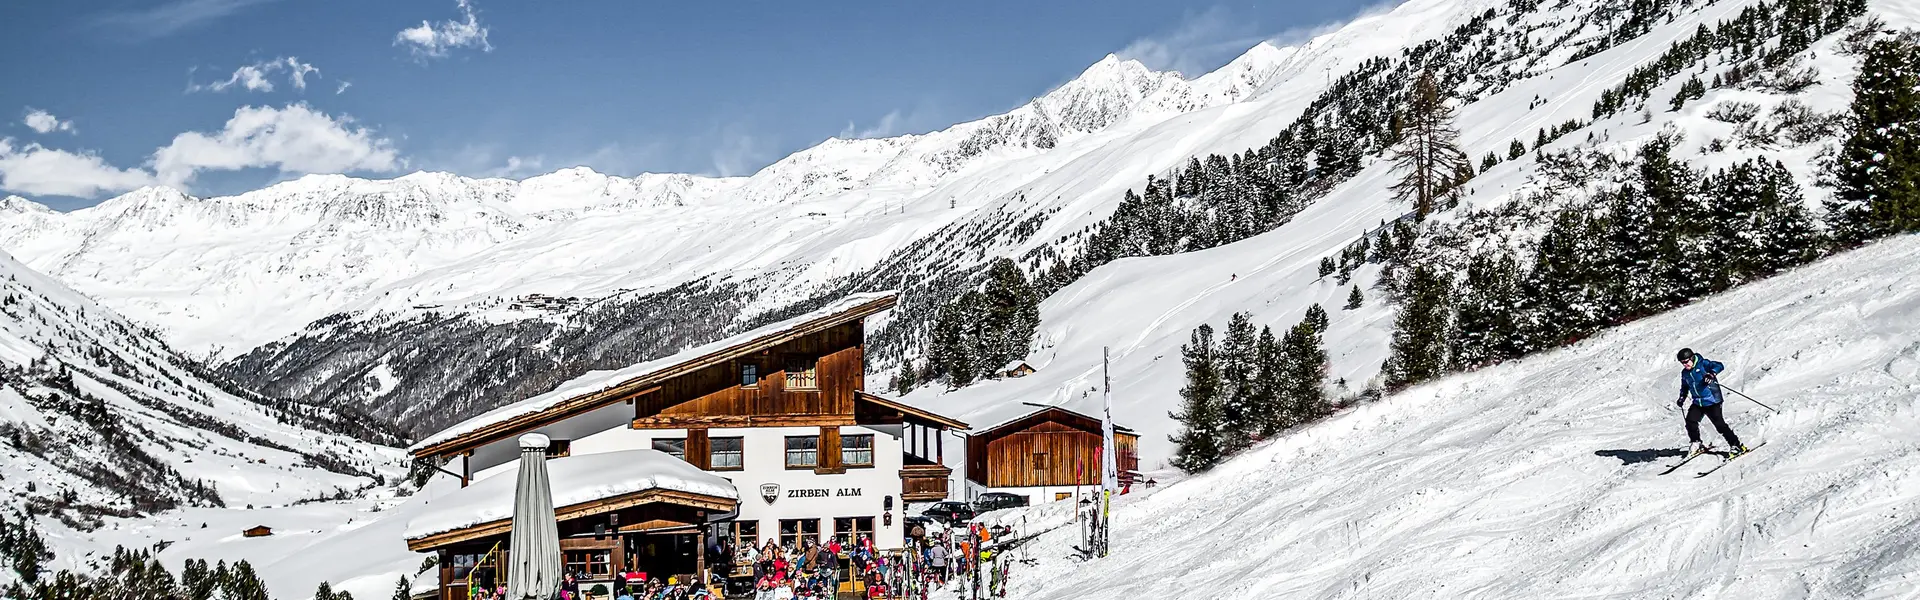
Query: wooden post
[(700, 554), (466, 468), (940, 445)]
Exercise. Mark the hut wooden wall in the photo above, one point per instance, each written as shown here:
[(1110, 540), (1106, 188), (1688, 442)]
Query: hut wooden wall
[(1071, 457), (715, 391)]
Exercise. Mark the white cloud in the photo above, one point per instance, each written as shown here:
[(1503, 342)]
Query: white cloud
[(292, 139), (738, 153), (488, 160), (41, 171), (343, 88), (1201, 42), (44, 122), (256, 77), (889, 124), (434, 40), (168, 18)]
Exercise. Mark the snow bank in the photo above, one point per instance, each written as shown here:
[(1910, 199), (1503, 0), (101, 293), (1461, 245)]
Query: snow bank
[(575, 479)]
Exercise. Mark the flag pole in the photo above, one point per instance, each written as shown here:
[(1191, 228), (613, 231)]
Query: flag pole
[(1109, 463)]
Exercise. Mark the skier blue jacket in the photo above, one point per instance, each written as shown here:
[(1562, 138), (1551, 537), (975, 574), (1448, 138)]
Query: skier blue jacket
[(1699, 382)]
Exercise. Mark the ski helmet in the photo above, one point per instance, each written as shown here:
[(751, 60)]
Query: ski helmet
[(1686, 354)]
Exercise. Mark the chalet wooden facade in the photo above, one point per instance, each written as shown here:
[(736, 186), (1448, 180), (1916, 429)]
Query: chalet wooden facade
[(782, 412), (1045, 454)]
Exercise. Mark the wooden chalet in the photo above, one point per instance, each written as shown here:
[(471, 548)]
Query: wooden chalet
[(781, 412), (1045, 453)]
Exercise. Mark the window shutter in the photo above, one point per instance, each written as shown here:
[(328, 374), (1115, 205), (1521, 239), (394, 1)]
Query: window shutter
[(830, 450), (699, 449)]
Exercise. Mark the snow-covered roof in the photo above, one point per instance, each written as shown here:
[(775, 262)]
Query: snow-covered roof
[(574, 479), (845, 309), (1005, 414)]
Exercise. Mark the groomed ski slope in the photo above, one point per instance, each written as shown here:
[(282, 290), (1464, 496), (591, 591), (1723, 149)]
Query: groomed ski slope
[(1537, 478)]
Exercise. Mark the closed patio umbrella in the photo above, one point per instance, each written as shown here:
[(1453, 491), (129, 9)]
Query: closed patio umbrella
[(533, 552)]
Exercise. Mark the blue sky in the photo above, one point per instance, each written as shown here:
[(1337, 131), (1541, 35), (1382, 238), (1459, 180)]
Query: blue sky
[(221, 96)]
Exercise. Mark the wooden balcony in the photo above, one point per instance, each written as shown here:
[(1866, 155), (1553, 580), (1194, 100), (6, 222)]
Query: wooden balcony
[(924, 483)]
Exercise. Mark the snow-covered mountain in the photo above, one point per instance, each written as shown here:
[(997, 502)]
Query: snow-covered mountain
[(430, 297), (104, 420), (278, 258)]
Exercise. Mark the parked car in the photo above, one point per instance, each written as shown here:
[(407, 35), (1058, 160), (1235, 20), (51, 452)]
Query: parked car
[(951, 513), (997, 500)]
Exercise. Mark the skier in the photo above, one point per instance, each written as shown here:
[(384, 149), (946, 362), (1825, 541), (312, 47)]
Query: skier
[(1697, 382)]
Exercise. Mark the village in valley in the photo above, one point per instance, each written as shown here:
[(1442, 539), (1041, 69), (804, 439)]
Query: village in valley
[(1338, 301)]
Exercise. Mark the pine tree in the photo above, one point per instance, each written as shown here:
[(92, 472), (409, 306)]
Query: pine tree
[(1354, 299), (1783, 234), (1326, 266), (1693, 89), (23, 548), (1266, 407), (403, 590), (1759, 222), (243, 584), (1877, 174), (1492, 160), (1569, 289), (1516, 150), (1317, 317), (324, 592), (1484, 326), (197, 580), (904, 381), (1420, 332), (1008, 314), (1653, 227), (1428, 156), (947, 355), (1197, 446), (1237, 372), (1304, 380)]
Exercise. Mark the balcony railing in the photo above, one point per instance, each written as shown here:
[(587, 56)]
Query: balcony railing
[(924, 483)]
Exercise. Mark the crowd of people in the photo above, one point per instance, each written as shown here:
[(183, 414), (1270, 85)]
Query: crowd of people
[(811, 571), (818, 570)]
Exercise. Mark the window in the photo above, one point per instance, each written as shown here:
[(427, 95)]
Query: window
[(1058, 496), (674, 446), (559, 448), (726, 454), (803, 451), (746, 533), (792, 531), (800, 374), (856, 450), (1039, 461), (749, 374), (590, 562), (847, 529), (475, 566)]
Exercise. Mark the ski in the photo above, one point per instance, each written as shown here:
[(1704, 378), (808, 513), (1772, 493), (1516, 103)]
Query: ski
[(1683, 462), (1728, 460)]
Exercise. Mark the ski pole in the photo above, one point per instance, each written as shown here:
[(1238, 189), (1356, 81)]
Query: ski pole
[(1750, 398)]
